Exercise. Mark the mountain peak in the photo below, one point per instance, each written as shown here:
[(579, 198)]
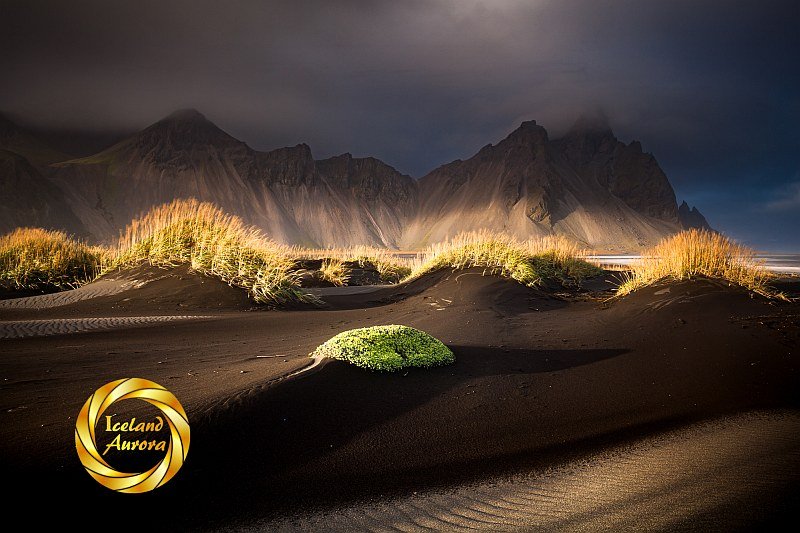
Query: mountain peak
[(529, 132), (185, 115), (183, 131), (188, 126), (692, 218)]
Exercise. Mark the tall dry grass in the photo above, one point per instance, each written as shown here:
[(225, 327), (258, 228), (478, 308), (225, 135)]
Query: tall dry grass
[(335, 271), (696, 253), (529, 262), (34, 258), (390, 267), (213, 243), (221, 245)]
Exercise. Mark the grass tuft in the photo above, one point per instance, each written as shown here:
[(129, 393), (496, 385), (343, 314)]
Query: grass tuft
[(530, 262), (391, 268), (213, 243), (221, 245), (334, 271), (34, 258), (697, 253), (386, 348)]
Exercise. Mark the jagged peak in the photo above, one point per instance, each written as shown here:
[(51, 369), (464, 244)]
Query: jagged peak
[(528, 131), (302, 148), (692, 217), (299, 151), (636, 146), (685, 205), (346, 156)]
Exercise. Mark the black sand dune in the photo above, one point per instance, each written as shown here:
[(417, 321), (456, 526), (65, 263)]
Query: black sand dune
[(539, 382), (143, 290), (669, 481)]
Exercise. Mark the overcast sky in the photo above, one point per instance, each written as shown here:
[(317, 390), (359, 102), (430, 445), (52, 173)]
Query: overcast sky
[(710, 87)]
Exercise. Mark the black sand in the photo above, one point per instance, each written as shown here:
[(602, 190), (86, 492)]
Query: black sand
[(538, 381)]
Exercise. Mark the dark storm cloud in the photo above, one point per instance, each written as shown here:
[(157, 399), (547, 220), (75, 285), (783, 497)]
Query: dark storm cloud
[(710, 87)]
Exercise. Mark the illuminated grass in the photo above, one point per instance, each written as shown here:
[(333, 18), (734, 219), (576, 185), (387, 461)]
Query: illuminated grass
[(698, 253), (391, 268), (530, 262), (34, 258), (222, 246), (386, 348), (334, 271), (213, 243)]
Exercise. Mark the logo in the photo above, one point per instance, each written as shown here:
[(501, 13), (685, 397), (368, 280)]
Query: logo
[(132, 435)]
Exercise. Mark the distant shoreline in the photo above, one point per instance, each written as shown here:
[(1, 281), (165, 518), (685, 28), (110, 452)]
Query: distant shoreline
[(777, 263)]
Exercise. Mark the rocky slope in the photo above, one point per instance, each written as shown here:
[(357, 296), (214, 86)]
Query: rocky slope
[(587, 185), (27, 196), (285, 192)]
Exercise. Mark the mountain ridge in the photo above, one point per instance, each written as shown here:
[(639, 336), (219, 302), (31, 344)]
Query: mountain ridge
[(587, 185)]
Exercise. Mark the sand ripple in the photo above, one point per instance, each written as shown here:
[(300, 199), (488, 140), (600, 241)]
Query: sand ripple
[(95, 289), (707, 477), (63, 326)]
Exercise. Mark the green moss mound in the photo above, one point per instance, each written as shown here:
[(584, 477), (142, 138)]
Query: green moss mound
[(386, 348)]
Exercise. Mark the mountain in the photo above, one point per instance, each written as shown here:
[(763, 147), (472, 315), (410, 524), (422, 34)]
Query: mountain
[(587, 185), (27, 196), (293, 198), (18, 140), (692, 218)]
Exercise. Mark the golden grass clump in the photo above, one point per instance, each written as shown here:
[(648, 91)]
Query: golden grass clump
[(221, 245), (390, 267), (335, 272), (695, 253), (529, 262), (213, 243), (34, 258)]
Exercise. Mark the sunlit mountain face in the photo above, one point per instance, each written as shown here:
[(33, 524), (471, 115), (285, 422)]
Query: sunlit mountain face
[(587, 186)]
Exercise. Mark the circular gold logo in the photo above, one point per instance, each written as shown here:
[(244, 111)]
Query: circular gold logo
[(175, 450)]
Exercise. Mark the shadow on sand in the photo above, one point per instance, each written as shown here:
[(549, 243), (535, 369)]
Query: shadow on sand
[(319, 437)]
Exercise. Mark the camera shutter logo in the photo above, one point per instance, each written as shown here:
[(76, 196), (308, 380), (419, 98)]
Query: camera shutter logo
[(152, 393)]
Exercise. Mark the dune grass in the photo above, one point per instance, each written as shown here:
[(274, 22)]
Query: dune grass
[(530, 262), (223, 246), (335, 271), (34, 258), (213, 243), (386, 348), (391, 268), (698, 253)]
